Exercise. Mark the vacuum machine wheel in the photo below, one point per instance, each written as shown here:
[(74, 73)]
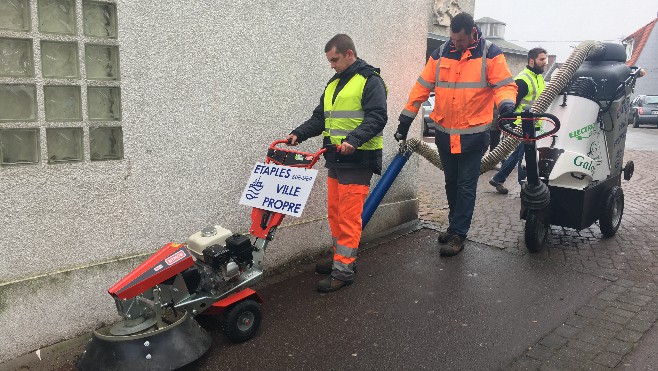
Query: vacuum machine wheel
[(536, 230), (242, 320), (613, 209)]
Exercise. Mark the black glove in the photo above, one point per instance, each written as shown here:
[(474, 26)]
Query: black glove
[(403, 128), (506, 108)]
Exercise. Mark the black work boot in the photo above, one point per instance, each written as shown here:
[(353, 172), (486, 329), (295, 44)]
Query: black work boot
[(330, 284), (324, 266), (455, 246), (444, 236), (499, 187)]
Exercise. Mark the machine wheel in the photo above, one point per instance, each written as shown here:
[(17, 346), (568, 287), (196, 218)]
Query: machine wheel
[(629, 169), (613, 209), (242, 320), (536, 231)]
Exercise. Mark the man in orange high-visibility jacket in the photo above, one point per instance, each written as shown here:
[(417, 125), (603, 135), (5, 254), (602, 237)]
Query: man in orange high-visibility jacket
[(468, 75)]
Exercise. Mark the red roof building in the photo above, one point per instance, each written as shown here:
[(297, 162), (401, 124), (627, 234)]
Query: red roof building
[(642, 51)]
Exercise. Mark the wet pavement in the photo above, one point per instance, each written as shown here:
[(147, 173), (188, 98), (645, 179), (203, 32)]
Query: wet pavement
[(582, 303)]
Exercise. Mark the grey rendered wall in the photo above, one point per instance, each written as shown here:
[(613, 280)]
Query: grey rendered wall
[(206, 86), (649, 61)]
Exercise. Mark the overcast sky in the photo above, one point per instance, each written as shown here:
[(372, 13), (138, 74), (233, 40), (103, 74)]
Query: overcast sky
[(559, 25)]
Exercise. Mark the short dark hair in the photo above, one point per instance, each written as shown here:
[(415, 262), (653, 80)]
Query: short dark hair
[(462, 21), (534, 53), (342, 43)]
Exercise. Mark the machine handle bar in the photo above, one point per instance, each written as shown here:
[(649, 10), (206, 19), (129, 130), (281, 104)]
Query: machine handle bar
[(308, 155), (506, 124)]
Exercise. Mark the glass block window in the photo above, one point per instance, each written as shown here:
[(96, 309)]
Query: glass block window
[(57, 16), (102, 62), (59, 59), (104, 103), (18, 102), (60, 82), (62, 103), (65, 145), (106, 143), (19, 146), (15, 15), (16, 57), (100, 19)]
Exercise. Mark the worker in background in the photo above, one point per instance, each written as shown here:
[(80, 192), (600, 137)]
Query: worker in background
[(530, 83), (351, 114), (468, 75)]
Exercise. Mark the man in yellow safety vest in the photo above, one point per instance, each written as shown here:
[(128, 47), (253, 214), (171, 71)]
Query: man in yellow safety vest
[(531, 83), (352, 115)]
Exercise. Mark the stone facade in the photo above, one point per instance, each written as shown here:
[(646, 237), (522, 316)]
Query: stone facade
[(444, 10)]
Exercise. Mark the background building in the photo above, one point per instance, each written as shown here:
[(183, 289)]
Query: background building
[(642, 51), (494, 30)]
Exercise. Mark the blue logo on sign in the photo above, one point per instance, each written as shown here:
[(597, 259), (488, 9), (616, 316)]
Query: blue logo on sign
[(254, 189)]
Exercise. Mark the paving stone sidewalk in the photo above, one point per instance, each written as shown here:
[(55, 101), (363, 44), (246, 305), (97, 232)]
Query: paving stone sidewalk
[(607, 329)]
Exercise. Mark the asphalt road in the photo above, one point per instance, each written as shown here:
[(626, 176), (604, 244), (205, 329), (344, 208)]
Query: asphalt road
[(644, 138)]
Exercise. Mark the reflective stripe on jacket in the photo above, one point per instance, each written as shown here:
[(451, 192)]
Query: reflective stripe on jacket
[(466, 85), (346, 113)]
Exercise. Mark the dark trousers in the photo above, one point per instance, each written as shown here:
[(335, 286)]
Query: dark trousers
[(494, 139), (461, 177), (514, 160)]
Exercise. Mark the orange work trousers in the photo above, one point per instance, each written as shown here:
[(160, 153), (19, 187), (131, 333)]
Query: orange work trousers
[(347, 190)]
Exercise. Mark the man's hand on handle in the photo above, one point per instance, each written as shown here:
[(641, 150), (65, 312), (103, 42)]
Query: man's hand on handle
[(292, 140), (506, 108), (403, 128), (346, 148)]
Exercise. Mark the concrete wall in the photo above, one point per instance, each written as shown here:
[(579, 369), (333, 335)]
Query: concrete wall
[(206, 86)]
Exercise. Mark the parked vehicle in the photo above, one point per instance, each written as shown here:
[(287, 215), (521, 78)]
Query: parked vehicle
[(428, 125), (645, 110)]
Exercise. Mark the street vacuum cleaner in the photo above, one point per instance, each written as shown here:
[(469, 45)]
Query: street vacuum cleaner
[(575, 161)]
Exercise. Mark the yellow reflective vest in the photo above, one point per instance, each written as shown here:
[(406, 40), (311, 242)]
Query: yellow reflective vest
[(345, 114), (536, 85)]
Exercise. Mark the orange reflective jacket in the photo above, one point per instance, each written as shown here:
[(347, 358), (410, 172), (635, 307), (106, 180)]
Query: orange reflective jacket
[(466, 86)]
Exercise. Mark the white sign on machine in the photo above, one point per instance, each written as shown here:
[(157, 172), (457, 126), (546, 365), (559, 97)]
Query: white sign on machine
[(282, 189)]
